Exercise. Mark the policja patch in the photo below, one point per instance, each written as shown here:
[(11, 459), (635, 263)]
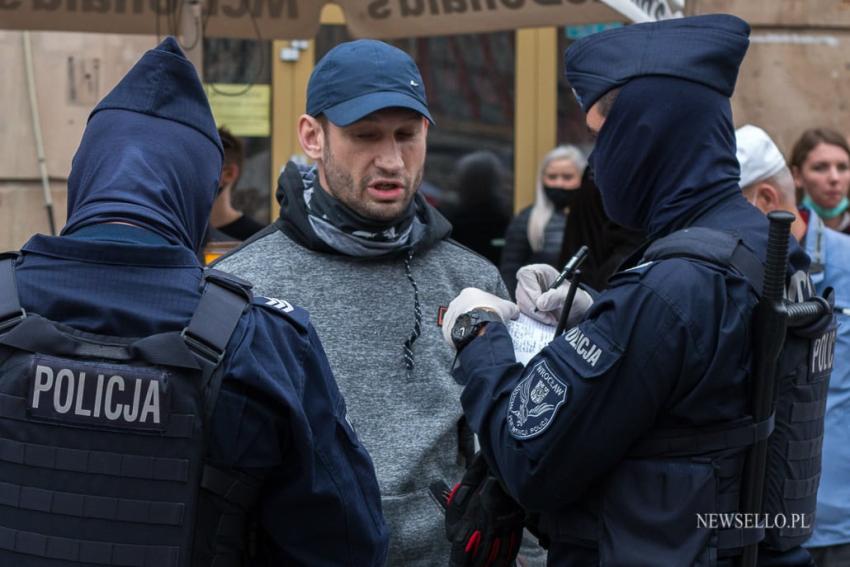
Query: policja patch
[(98, 394), (822, 354), (535, 401)]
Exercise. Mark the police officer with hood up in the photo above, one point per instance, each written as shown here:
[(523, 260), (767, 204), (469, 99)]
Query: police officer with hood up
[(628, 434), (153, 414)]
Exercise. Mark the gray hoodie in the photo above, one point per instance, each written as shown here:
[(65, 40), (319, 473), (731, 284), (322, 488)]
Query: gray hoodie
[(364, 310)]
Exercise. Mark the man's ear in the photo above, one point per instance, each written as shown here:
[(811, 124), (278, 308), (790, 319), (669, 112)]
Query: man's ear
[(229, 174), (311, 136), (767, 197)]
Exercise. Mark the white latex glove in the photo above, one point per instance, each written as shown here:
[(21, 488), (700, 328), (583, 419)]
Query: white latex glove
[(472, 298), (536, 300)]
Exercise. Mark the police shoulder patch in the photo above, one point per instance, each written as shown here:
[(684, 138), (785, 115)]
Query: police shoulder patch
[(283, 308), (535, 402), (640, 267), (588, 351), (279, 304)]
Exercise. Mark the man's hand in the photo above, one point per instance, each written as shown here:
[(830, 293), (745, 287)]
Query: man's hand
[(536, 300), (483, 524), (471, 298)]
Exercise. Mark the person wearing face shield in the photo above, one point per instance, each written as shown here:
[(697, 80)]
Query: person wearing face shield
[(628, 436)]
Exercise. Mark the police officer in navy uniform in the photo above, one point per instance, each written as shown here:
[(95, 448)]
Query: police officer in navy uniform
[(628, 434), (153, 414)]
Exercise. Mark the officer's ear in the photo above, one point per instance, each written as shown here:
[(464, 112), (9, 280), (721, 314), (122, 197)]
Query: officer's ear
[(311, 136)]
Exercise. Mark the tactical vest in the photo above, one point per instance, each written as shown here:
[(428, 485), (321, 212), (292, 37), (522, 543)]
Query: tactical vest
[(102, 440), (677, 478)]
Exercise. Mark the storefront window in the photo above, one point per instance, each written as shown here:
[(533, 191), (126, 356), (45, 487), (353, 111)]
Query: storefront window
[(236, 69), (571, 126)]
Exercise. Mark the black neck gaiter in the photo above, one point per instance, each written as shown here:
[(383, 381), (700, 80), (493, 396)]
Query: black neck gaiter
[(323, 205)]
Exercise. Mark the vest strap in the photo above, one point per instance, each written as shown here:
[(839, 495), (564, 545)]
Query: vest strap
[(180, 425), (91, 506), (795, 489), (228, 486), (734, 538), (86, 551), (94, 462), (39, 335), (222, 304), (230, 527), (807, 411), (11, 312), (685, 443), (226, 561), (710, 245), (749, 265), (215, 318), (802, 450)]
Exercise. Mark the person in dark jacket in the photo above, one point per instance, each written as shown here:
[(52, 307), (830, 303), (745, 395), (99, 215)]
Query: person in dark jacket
[(272, 461), (535, 234), (609, 244), (481, 214), (621, 433), (230, 223)]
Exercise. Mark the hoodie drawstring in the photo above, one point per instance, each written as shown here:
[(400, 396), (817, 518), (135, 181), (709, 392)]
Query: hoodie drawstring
[(417, 311)]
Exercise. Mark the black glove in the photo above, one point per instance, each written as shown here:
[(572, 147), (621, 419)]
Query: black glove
[(483, 524)]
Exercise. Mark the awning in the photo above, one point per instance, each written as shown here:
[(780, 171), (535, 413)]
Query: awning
[(299, 19)]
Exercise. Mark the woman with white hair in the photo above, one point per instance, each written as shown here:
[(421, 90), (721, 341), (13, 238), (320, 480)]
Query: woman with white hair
[(535, 233)]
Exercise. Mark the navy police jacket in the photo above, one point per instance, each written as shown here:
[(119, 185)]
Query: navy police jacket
[(279, 417), (667, 345)]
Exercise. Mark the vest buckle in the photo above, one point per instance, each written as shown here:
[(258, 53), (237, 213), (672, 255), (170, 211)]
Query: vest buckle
[(200, 347), (7, 323)]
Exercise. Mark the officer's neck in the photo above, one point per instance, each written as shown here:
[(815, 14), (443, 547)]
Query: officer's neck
[(120, 232)]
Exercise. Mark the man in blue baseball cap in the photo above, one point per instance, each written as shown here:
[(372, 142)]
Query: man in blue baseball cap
[(628, 435), (372, 262), (154, 413)]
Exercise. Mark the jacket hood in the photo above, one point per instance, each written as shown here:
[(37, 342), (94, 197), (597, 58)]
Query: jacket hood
[(665, 154), (150, 155), (294, 222)]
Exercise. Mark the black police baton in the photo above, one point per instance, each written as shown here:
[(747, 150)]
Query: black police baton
[(572, 273), (773, 316), (770, 324)]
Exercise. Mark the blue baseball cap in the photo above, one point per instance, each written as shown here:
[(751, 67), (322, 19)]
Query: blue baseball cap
[(357, 78), (703, 49)]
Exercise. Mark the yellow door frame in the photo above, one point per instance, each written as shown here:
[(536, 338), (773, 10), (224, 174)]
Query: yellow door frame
[(292, 65), (536, 111), (289, 98)]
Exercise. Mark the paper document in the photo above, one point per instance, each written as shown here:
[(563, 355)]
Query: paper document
[(529, 336)]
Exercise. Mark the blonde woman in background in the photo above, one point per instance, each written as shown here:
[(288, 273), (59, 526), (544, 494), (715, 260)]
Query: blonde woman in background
[(535, 234)]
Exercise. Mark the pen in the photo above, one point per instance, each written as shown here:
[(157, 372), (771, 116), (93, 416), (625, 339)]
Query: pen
[(570, 267), (569, 270)]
